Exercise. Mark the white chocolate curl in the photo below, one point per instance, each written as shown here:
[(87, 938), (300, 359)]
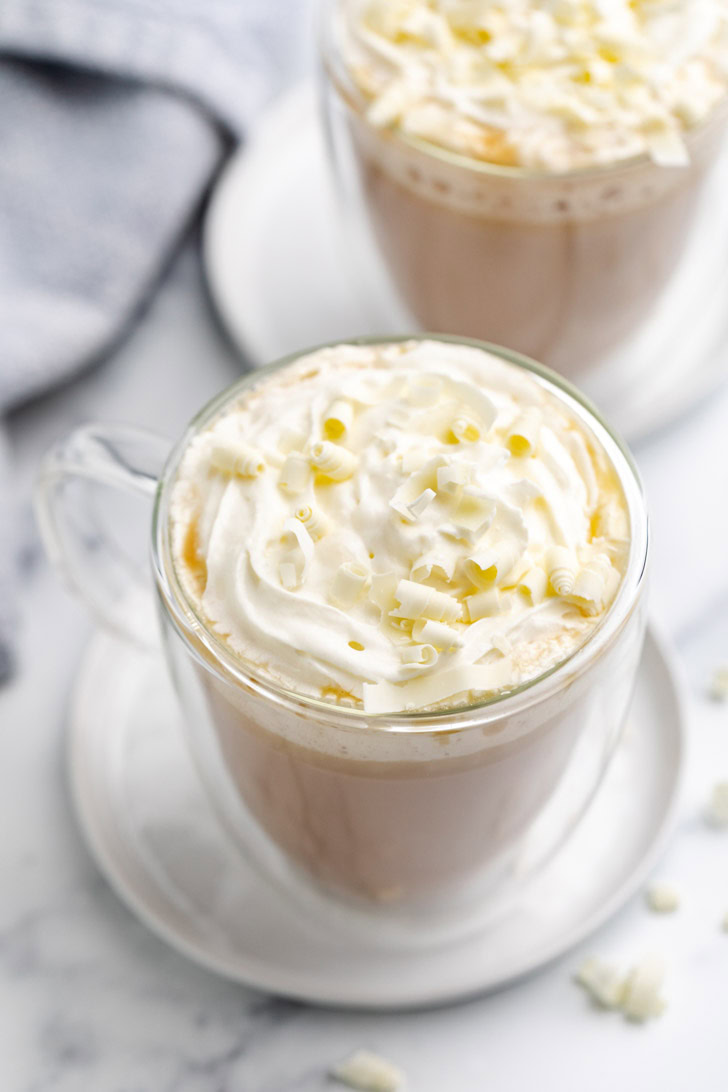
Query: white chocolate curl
[(436, 634), (561, 569), (643, 997), (419, 601), (421, 504), (452, 477), (502, 643), (522, 436), (419, 656), (483, 605), (472, 516), (314, 521), (433, 564), (332, 461), (232, 457), (295, 474), (350, 583), (592, 585), (493, 564), (603, 982), (465, 429), (533, 584), (368, 1072), (421, 483), (299, 552), (338, 419)]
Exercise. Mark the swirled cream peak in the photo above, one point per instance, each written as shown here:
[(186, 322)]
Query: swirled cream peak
[(399, 526), (558, 84)]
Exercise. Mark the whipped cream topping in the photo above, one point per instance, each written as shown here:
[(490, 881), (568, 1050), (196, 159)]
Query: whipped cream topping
[(399, 526), (555, 85)]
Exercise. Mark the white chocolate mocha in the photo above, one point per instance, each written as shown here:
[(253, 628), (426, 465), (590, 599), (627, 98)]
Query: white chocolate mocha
[(555, 85), (399, 526)]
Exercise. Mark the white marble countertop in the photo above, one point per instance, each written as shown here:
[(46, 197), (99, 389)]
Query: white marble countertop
[(92, 1002)]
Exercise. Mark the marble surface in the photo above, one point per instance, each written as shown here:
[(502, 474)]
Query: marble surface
[(91, 1001)]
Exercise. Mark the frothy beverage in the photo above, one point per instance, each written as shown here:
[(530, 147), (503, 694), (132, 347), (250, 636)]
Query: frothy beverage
[(530, 171), (387, 536)]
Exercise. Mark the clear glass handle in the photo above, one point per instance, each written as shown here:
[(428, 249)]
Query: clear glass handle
[(93, 503)]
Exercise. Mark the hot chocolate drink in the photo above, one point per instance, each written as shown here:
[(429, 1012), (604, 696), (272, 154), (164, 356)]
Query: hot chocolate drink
[(387, 538), (530, 171)]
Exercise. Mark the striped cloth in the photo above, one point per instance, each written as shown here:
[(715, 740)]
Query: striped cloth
[(114, 116)]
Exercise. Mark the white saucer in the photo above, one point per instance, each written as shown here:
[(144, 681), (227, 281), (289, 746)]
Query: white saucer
[(157, 841), (281, 279)]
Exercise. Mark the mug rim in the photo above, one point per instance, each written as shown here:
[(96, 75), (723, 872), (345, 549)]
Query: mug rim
[(195, 631), (331, 62)]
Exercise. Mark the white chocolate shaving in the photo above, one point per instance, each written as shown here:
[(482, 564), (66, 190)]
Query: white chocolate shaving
[(662, 898), (591, 585), (382, 591), (483, 605), (435, 563), (501, 642), (295, 474), (420, 656), (314, 521), (421, 503), (338, 419), (465, 430), (332, 461), (603, 982), (418, 601), (437, 634), (533, 584), (350, 583), (521, 493), (472, 516), (523, 435), (643, 997), (421, 482), (369, 1072), (478, 404), (233, 457), (638, 995), (719, 684), (299, 550), (452, 477), (561, 566), (717, 811), (493, 563)]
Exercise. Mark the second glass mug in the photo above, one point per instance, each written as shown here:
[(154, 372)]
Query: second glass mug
[(408, 825), (563, 266)]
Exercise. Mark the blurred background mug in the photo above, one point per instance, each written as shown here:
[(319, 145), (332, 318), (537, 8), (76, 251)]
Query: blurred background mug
[(398, 820), (560, 265)]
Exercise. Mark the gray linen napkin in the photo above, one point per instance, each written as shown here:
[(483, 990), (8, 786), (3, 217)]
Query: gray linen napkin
[(114, 115)]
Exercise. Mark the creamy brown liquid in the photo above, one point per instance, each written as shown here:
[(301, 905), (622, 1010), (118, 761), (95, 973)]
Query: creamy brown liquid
[(558, 269), (384, 829)]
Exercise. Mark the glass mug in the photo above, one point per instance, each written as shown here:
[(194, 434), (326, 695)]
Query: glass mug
[(560, 266), (411, 825)]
